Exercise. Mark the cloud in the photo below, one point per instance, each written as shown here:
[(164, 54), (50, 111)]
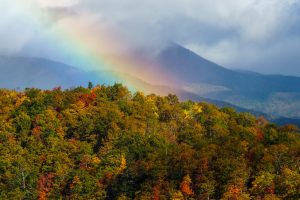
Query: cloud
[(57, 3), (247, 34)]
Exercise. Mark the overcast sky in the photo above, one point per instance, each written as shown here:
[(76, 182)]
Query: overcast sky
[(260, 35)]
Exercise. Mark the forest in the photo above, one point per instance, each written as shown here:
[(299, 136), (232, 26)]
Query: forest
[(105, 142)]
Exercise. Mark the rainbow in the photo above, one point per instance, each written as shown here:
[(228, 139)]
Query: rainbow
[(98, 48)]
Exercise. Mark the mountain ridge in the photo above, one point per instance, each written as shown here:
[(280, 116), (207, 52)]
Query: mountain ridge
[(250, 90)]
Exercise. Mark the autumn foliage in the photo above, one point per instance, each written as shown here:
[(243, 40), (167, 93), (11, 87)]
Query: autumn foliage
[(105, 142), (185, 186)]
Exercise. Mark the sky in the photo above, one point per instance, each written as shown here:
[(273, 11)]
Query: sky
[(257, 35)]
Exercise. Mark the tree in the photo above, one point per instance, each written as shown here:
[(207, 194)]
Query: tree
[(185, 186), (90, 85)]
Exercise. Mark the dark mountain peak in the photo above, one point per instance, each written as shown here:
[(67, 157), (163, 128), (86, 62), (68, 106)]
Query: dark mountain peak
[(190, 67), (181, 51), (186, 56)]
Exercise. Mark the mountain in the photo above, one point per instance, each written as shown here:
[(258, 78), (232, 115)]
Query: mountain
[(273, 94), (25, 72), (22, 72)]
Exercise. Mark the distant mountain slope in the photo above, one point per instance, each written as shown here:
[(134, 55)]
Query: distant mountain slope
[(251, 90), (18, 72), (23, 72)]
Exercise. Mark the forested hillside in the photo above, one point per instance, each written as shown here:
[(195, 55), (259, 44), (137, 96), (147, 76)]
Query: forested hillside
[(105, 143)]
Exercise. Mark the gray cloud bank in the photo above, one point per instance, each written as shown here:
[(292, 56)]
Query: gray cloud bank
[(260, 35)]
